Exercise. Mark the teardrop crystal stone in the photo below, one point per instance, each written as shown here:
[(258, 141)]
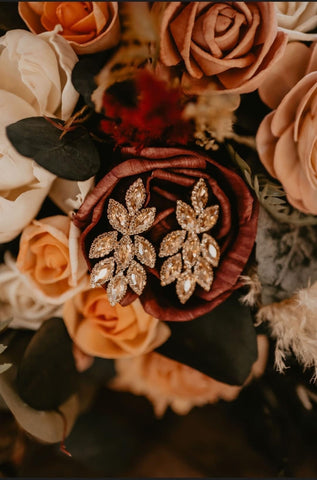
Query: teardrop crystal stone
[(210, 249), (124, 252), (204, 273), (185, 286), (103, 244), (170, 270), (186, 216), (102, 272), (135, 196), (144, 251), (172, 242), (191, 250), (118, 216), (136, 276), (116, 289), (199, 195)]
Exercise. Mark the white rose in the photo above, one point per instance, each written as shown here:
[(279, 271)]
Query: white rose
[(297, 18), (19, 300), (35, 80)]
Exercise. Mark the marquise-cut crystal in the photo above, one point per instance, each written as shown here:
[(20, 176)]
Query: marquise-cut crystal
[(142, 220), (204, 273), (102, 272), (172, 242), (144, 251), (171, 269), (185, 216), (199, 195), (135, 196), (185, 286), (136, 276), (124, 252), (118, 216), (117, 288), (191, 250), (210, 249), (207, 219), (103, 244)]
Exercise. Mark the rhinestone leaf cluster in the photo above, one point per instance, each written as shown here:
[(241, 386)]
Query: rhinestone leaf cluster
[(122, 268), (192, 252)]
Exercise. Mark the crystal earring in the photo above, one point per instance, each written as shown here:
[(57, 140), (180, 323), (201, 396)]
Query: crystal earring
[(193, 265)]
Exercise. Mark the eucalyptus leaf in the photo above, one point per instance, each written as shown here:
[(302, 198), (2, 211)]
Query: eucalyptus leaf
[(269, 192), (73, 156), (221, 344), (84, 72), (47, 376)]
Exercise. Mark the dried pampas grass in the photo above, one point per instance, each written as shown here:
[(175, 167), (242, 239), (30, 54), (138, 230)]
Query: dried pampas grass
[(293, 324)]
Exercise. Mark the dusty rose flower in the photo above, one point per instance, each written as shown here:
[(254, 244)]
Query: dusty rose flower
[(286, 139), (101, 330), (166, 382), (222, 45), (50, 258), (88, 26), (169, 174), (297, 19)]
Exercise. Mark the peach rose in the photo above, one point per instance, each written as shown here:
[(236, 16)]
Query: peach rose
[(223, 45), (167, 383), (296, 19), (88, 26), (104, 331), (49, 256), (286, 139)]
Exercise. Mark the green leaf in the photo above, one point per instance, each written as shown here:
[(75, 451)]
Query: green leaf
[(269, 192), (73, 157), (47, 376), (221, 344), (84, 72)]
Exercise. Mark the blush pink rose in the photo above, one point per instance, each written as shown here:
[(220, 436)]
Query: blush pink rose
[(225, 45), (286, 139)]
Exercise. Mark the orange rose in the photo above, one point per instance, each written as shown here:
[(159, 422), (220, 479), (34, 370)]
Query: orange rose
[(101, 330), (50, 257), (229, 45), (88, 26), (166, 382), (286, 138)]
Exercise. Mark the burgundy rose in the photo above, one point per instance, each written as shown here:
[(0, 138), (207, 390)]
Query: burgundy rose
[(170, 174)]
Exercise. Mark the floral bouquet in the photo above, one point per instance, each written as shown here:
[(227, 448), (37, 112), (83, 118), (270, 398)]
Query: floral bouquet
[(158, 202)]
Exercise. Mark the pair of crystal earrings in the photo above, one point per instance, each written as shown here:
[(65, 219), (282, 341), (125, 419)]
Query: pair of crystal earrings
[(190, 258)]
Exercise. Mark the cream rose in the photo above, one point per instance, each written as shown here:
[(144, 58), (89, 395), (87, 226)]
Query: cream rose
[(296, 19), (19, 300), (35, 80)]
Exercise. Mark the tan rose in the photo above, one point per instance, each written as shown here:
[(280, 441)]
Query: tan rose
[(88, 26), (167, 383), (101, 330), (50, 257), (296, 19), (229, 45), (286, 139)]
